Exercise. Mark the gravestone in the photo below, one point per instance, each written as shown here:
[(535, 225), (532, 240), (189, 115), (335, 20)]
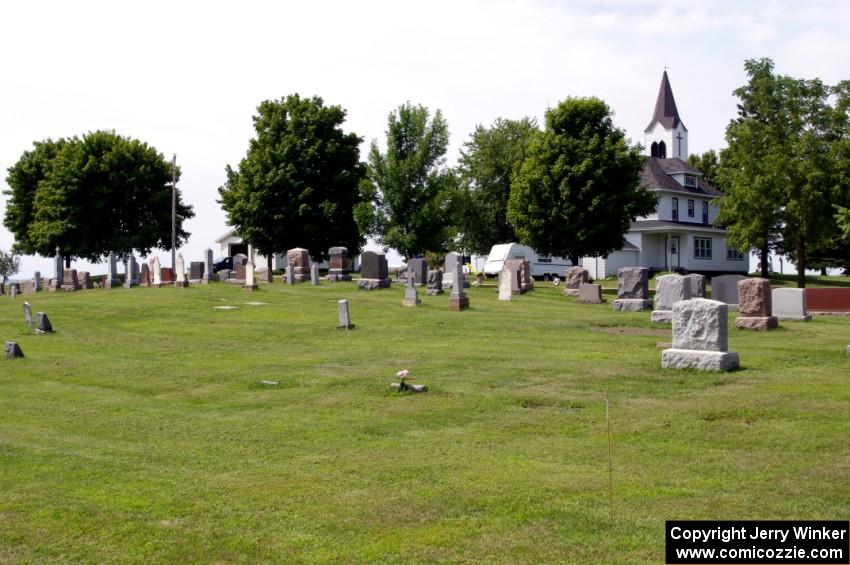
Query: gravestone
[(725, 289), (418, 269), (314, 273), (180, 274), (36, 282), (43, 325), (289, 275), (14, 289), (632, 290), (264, 275), (338, 264), (344, 316), (167, 275), (590, 294), (755, 310), (157, 272), (511, 268), (790, 304), (250, 282), (208, 275), (13, 350), (239, 260), (700, 337), (449, 271), (196, 272), (145, 275), (374, 272), (574, 277), (522, 268), (507, 284), (28, 287), (299, 261), (58, 269), (458, 299), (111, 279), (669, 289), (697, 285), (85, 281), (70, 281), (131, 269), (411, 296), (238, 274), (28, 314), (435, 283)]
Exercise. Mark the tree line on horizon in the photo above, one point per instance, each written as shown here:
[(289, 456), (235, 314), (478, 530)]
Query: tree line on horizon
[(569, 189)]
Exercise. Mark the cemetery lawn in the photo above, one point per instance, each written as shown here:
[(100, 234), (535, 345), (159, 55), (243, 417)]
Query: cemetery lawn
[(141, 432)]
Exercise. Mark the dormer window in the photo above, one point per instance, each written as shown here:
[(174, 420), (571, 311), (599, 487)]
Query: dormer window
[(691, 180)]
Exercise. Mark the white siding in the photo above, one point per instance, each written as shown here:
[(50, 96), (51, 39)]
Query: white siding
[(718, 261)]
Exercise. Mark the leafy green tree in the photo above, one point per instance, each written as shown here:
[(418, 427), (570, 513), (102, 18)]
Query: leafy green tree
[(488, 162), (578, 189), (9, 264), (410, 197), (708, 163), (297, 186), (91, 196), (785, 166)]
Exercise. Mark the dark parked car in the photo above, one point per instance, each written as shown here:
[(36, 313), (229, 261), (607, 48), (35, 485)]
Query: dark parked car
[(222, 263)]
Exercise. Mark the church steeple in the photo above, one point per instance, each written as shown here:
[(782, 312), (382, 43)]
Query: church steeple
[(666, 134)]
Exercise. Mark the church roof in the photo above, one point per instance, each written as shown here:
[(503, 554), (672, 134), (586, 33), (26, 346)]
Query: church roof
[(656, 175), (665, 107)]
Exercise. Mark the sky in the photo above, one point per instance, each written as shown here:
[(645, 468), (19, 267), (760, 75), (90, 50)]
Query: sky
[(186, 77)]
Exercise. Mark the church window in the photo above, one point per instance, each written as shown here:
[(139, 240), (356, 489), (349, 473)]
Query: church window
[(691, 208), (702, 248), (675, 209), (662, 150), (653, 151)]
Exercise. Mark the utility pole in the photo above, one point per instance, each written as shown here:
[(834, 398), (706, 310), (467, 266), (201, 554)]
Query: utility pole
[(174, 212)]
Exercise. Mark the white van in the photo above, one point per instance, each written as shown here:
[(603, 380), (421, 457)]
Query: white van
[(541, 266)]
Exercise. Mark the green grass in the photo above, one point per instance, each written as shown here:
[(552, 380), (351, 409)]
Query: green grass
[(140, 431)]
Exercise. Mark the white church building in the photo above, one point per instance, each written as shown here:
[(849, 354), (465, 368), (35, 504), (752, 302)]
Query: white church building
[(679, 236)]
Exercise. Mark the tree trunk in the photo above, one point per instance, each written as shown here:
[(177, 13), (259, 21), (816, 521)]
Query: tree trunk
[(68, 262), (801, 262), (823, 271), (269, 262), (574, 260), (765, 262)]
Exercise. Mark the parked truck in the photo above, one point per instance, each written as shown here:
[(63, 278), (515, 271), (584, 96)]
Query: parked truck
[(542, 266)]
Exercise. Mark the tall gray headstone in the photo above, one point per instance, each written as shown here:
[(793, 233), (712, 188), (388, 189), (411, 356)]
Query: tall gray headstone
[(28, 314), (111, 279), (250, 281), (411, 297), (13, 290), (669, 289), (458, 299), (36, 281), (453, 259), (58, 268), (180, 275), (290, 275), (344, 316), (700, 337), (507, 283), (131, 270), (314, 273), (208, 266), (156, 269)]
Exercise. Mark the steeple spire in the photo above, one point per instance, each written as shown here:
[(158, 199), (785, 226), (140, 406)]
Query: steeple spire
[(666, 112)]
